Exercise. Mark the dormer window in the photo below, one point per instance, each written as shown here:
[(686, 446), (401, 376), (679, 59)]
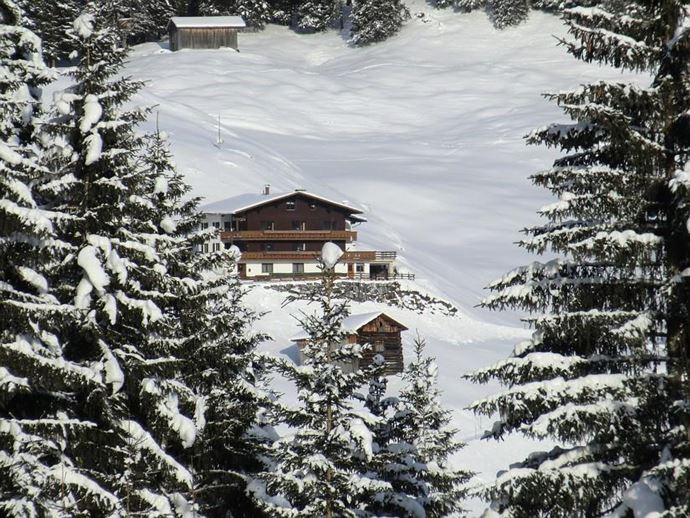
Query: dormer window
[(290, 205)]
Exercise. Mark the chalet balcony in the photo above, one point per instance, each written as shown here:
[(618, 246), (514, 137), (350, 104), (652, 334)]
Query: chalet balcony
[(289, 235), (348, 257)]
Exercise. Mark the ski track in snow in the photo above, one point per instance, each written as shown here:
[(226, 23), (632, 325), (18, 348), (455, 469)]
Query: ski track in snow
[(424, 131)]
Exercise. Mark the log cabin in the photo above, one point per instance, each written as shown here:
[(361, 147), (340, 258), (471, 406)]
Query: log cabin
[(204, 32), (381, 332), (281, 235)]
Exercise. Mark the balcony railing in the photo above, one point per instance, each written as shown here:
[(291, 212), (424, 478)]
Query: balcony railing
[(348, 257), (288, 235)]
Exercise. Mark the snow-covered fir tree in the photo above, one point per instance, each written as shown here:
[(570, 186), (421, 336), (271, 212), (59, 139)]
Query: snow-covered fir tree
[(256, 13), (377, 20), (41, 389), (606, 371), (120, 282), (51, 20), (321, 468), (506, 13), (281, 11), (215, 344), (421, 482), (317, 15), (421, 427), (141, 20)]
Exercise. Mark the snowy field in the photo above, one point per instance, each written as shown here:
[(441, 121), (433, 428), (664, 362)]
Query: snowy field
[(423, 132)]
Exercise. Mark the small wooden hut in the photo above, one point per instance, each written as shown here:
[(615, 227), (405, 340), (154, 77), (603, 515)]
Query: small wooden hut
[(204, 32), (381, 332)]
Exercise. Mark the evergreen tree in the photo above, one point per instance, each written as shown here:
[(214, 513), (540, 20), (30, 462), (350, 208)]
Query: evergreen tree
[(42, 389), (422, 429), (321, 470), (444, 4), (216, 344), (470, 5), (317, 15), (281, 11), (119, 280), (141, 20), (506, 13), (51, 20), (256, 13), (377, 20), (606, 371)]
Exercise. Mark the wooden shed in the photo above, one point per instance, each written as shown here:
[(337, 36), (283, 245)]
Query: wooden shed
[(204, 32), (381, 332)]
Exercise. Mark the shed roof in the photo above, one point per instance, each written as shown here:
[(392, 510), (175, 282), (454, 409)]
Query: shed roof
[(185, 22), (354, 323), (244, 202)]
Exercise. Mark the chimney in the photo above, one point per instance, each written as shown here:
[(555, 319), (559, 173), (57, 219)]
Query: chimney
[(267, 189)]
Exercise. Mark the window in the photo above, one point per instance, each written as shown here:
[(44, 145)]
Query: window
[(206, 247), (360, 267), (216, 247), (204, 226), (227, 226), (267, 225), (379, 347), (299, 225), (297, 267), (327, 225), (267, 268), (300, 247), (266, 247), (290, 205)]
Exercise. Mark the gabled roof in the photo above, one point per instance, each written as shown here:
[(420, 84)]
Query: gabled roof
[(354, 323), (207, 21), (244, 202)]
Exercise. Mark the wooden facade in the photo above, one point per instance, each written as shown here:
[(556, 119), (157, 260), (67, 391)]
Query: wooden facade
[(291, 224), (382, 334), (211, 32)]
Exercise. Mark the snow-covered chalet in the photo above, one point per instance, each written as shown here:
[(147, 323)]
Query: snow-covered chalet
[(281, 235)]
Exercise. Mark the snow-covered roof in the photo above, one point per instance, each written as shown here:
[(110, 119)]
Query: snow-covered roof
[(207, 21), (245, 202), (353, 323)]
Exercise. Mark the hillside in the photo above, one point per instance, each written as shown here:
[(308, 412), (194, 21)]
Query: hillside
[(423, 132)]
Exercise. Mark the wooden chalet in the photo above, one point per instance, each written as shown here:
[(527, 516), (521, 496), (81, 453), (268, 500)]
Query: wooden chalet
[(381, 332), (204, 32), (281, 235)]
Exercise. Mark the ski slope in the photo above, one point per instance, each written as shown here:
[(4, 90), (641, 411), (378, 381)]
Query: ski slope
[(424, 132)]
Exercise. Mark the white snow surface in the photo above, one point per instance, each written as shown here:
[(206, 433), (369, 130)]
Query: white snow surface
[(208, 21), (423, 132), (247, 201)]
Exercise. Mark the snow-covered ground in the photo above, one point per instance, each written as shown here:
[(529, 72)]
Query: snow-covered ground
[(424, 132)]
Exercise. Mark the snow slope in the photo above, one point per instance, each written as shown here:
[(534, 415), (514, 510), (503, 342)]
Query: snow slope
[(424, 132)]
